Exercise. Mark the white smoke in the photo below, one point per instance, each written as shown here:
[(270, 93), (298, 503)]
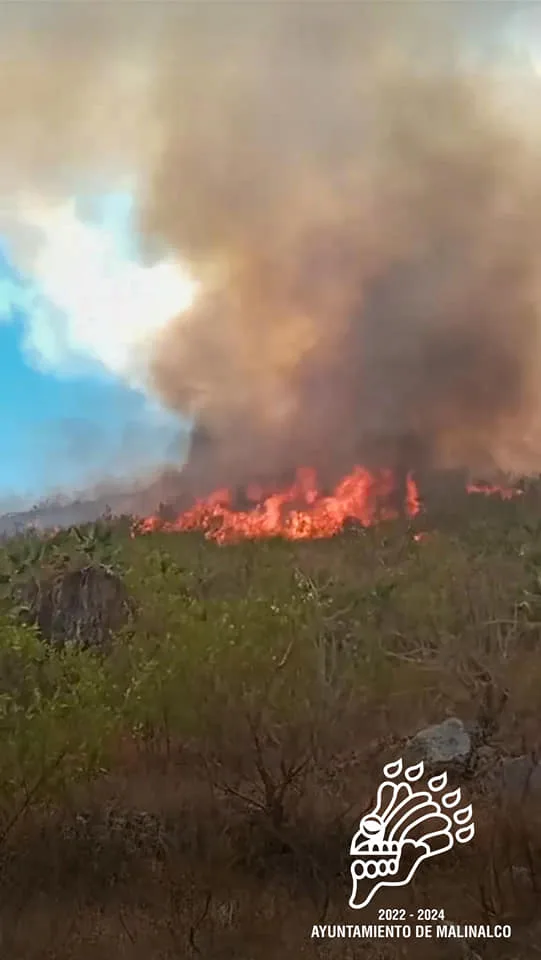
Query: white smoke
[(88, 299)]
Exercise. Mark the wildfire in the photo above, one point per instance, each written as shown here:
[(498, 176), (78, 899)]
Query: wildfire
[(300, 512)]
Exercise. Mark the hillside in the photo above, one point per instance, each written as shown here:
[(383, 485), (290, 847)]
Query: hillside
[(189, 785)]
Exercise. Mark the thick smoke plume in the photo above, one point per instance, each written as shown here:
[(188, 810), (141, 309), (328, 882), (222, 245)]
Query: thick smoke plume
[(356, 189)]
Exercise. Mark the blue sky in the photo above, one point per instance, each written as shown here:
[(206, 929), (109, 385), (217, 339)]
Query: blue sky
[(61, 429)]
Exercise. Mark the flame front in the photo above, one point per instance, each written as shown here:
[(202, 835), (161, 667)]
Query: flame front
[(299, 512)]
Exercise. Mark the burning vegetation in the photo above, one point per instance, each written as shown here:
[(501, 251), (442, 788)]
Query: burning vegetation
[(300, 512), (305, 511)]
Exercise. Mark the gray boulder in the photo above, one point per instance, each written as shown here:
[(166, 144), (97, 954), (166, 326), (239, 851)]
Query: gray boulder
[(444, 744), (82, 607)]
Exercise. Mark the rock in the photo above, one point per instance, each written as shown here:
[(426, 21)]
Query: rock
[(444, 744), (520, 777), (82, 607)]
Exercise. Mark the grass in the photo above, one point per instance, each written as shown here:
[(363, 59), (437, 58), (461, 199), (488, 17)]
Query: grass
[(193, 792)]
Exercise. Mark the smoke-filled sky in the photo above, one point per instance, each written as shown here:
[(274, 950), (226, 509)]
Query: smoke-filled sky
[(314, 229)]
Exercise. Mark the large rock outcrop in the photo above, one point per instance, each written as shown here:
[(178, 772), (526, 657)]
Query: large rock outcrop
[(85, 606)]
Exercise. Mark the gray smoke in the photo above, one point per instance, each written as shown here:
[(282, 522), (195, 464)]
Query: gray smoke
[(358, 189)]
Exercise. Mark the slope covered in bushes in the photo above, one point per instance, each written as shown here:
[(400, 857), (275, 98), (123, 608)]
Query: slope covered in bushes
[(185, 756)]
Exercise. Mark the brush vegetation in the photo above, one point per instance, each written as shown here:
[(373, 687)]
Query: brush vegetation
[(189, 785)]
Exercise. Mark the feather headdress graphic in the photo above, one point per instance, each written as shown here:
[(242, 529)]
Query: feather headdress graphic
[(406, 826)]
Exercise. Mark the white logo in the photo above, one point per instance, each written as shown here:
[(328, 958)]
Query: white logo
[(405, 827)]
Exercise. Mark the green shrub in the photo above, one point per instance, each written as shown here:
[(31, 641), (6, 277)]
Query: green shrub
[(57, 717)]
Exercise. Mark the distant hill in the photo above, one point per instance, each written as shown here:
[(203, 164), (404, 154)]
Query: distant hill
[(140, 499), (57, 515)]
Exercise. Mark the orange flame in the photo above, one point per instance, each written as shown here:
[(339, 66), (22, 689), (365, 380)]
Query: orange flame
[(297, 513)]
